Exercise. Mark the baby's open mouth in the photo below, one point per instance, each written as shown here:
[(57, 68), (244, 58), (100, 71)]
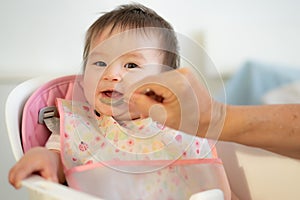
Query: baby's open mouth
[(111, 97)]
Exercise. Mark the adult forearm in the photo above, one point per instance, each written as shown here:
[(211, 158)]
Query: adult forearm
[(272, 127)]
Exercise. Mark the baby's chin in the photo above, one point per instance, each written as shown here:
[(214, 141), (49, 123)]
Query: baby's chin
[(125, 117), (118, 113)]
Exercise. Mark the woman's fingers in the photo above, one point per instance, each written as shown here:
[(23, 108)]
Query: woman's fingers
[(177, 99)]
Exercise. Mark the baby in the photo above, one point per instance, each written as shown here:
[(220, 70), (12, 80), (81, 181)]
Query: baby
[(104, 146)]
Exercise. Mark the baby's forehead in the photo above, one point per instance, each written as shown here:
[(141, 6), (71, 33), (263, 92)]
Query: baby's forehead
[(142, 55), (128, 39)]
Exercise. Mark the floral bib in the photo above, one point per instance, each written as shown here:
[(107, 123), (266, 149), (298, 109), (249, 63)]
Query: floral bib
[(141, 158)]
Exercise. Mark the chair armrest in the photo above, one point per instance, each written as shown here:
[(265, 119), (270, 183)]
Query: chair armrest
[(50, 190)]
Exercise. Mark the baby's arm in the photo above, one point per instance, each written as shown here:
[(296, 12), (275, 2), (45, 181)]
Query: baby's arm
[(40, 160)]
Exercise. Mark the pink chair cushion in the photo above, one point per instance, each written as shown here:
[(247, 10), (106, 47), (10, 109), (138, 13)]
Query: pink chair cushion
[(33, 133)]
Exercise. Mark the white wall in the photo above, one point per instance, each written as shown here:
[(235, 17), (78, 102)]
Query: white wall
[(39, 36)]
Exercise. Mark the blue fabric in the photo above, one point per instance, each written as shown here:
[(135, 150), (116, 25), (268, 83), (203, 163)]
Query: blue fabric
[(254, 79)]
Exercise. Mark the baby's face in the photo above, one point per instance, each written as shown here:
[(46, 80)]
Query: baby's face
[(116, 61)]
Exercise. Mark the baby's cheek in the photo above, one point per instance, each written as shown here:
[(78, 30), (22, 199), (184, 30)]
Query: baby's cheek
[(89, 96), (131, 78), (90, 83)]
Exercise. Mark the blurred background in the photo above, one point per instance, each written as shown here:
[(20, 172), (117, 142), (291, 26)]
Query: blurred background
[(253, 46), (39, 37)]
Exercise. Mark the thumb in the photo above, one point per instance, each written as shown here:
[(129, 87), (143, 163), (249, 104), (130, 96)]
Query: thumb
[(141, 103), (147, 107), (49, 174)]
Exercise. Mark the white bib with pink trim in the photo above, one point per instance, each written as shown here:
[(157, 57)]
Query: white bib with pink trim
[(139, 159)]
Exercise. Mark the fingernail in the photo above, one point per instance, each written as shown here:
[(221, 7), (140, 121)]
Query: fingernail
[(52, 179), (18, 185)]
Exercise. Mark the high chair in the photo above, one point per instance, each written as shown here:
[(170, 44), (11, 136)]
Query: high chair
[(253, 173), (38, 187)]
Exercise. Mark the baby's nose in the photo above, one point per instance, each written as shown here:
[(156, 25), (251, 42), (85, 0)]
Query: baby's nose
[(112, 73), (112, 77)]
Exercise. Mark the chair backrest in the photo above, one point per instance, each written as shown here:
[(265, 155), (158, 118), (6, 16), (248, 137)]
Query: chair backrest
[(22, 109), (33, 132), (13, 111)]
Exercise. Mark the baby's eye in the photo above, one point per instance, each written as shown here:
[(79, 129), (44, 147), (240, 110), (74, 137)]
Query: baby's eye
[(131, 65), (100, 64)]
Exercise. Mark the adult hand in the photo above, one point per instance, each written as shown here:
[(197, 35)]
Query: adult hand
[(183, 103), (178, 100)]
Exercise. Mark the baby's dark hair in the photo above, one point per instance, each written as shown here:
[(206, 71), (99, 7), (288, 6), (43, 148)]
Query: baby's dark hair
[(133, 16)]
